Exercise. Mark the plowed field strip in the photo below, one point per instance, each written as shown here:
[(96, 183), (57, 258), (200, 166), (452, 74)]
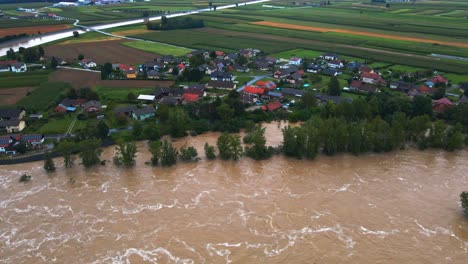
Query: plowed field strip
[(359, 33)]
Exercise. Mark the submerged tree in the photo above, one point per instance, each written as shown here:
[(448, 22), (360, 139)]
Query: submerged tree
[(258, 149), (126, 153), (67, 148), (464, 201), (188, 154), (168, 154), (49, 165), (210, 151), (90, 153)]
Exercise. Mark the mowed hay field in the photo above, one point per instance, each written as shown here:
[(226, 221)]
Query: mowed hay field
[(100, 52), (31, 30)]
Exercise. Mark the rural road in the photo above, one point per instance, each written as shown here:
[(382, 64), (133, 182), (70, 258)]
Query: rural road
[(45, 38)]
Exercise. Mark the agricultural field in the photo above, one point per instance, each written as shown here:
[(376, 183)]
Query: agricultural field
[(26, 79), (43, 97), (100, 52), (157, 48), (373, 32)]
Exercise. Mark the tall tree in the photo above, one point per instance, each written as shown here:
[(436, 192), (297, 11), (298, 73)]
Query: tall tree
[(229, 146), (106, 70), (334, 86)]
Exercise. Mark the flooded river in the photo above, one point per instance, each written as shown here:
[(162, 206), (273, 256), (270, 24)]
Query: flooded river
[(400, 207)]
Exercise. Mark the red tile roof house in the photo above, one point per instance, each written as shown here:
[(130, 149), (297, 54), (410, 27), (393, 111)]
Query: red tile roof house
[(439, 79), (439, 106), (254, 90), (426, 90), (272, 106), (372, 78), (190, 98), (92, 106), (267, 85)]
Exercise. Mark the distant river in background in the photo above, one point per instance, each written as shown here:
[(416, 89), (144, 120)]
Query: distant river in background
[(399, 207)]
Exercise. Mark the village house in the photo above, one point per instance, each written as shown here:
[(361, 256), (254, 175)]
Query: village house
[(335, 64), (354, 65), (12, 114), (143, 113), (283, 73), (170, 100), (249, 53), (267, 85), (87, 63), (221, 76), (33, 140), (329, 56), (92, 106), (240, 68), (69, 105), (372, 78), (292, 92), (426, 90), (254, 90), (436, 80), (152, 65), (330, 72), (4, 68), (313, 68), (19, 67), (162, 92), (126, 110), (439, 106), (167, 59), (221, 85), (131, 74), (262, 65), (272, 106), (147, 98), (12, 126), (295, 61), (155, 75)]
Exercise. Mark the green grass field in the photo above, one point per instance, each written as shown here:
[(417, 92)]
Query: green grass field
[(303, 53), (158, 48), (26, 79), (107, 94)]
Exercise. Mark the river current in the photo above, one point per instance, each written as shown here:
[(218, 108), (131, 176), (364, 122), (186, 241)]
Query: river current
[(399, 207)]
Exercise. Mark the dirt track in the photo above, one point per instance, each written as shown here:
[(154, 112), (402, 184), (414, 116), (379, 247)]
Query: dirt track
[(31, 30), (80, 79), (101, 52), (360, 33)]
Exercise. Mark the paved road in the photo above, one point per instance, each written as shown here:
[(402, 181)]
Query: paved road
[(77, 69)]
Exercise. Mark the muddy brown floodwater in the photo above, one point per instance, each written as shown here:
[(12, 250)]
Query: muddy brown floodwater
[(399, 207)]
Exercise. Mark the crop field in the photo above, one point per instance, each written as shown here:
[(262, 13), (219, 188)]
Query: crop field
[(303, 53), (27, 79), (101, 52), (43, 97), (161, 49), (388, 35)]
